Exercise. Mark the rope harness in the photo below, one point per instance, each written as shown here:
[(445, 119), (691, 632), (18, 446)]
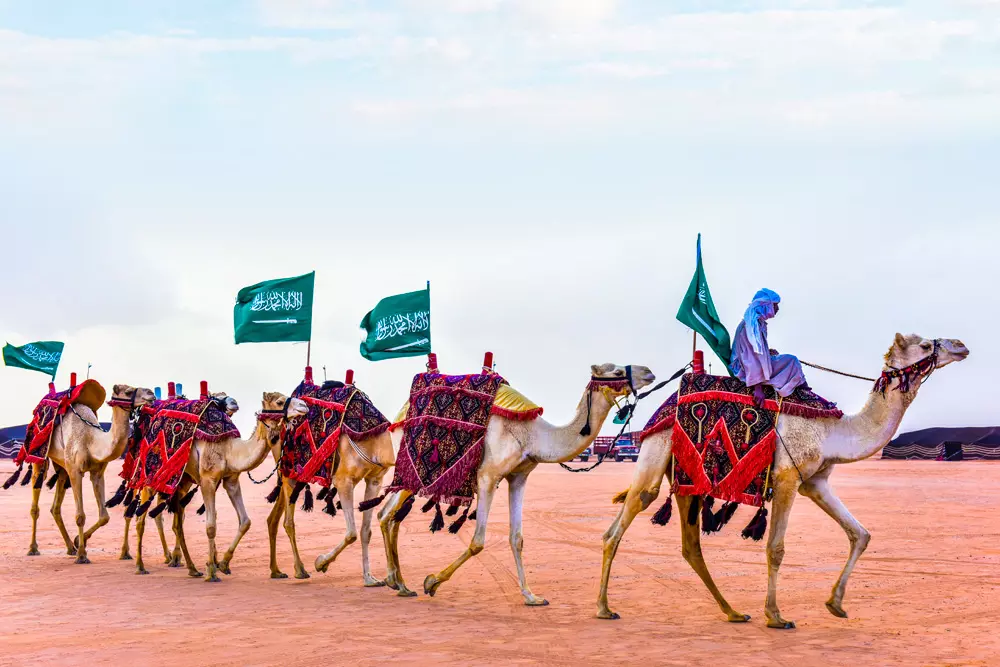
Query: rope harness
[(280, 416)]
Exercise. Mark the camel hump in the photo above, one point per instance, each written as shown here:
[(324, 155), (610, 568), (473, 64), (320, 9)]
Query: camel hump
[(91, 394)]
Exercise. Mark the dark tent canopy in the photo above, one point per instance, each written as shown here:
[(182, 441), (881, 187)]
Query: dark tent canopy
[(12, 437), (952, 444)]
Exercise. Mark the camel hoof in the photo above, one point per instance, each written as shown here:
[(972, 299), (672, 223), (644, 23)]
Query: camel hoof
[(195, 574), (321, 567), (406, 593), (608, 615), (781, 625), (33, 551), (302, 575), (279, 575), (431, 584), (536, 602), (225, 569), (125, 557), (71, 551), (214, 579), (142, 571), (836, 610), (372, 582), (82, 560), (739, 618), (174, 562)]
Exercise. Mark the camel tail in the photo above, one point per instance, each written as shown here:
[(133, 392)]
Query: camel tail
[(620, 498)]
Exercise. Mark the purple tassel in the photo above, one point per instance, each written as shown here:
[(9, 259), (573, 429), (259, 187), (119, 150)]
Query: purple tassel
[(707, 518), (404, 509), (452, 510), (472, 516), (428, 506), (201, 510), (366, 505), (693, 512), (116, 499), (12, 480), (457, 523), (158, 510), (724, 514), (307, 504), (55, 478), (295, 494), (438, 522), (757, 527), (275, 492), (662, 516), (321, 496), (330, 508), (27, 478), (186, 500)]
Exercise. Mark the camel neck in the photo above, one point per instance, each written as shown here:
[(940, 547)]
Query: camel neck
[(553, 444), (247, 454), (109, 446), (862, 435)]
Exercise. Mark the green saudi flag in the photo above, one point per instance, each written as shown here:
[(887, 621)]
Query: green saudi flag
[(399, 326), (698, 312), (275, 311), (42, 356)]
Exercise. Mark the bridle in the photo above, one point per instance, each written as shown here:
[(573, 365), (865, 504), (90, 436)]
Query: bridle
[(281, 417), (921, 370)]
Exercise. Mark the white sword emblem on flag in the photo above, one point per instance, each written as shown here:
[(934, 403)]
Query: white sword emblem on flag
[(288, 321)]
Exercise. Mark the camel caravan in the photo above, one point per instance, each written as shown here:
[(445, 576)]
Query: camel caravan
[(756, 437)]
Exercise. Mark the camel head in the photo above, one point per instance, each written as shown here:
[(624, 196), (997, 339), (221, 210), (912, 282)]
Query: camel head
[(274, 402), (615, 378), (229, 404), (122, 394), (909, 350)]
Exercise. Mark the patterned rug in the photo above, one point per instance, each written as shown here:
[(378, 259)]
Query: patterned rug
[(722, 443), (443, 435), (139, 428), (509, 403), (47, 414), (166, 442)]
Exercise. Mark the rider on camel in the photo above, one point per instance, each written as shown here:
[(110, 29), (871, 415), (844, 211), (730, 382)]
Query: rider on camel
[(754, 362)]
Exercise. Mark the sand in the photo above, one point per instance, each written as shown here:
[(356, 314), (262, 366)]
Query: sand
[(927, 592)]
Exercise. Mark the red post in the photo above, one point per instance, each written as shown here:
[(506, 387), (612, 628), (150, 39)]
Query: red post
[(171, 391), (698, 363), (432, 362), (72, 380), (204, 388), (52, 387), (309, 375), (488, 362), (349, 378)]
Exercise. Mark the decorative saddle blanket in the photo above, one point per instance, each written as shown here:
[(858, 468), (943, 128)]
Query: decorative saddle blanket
[(443, 435), (334, 408), (166, 442), (46, 417), (721, 442), (139, 428)]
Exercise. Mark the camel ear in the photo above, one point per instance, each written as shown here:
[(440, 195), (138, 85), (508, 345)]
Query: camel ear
[(901, 341), (602, 369)]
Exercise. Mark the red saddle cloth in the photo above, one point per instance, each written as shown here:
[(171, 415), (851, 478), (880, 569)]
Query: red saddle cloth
[(444, 435), (46, 416), (722, 443), (334, 408), (167, 440), (139, 428)]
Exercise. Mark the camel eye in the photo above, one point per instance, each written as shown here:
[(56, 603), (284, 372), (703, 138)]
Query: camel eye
[(619, 372), (925, 346)]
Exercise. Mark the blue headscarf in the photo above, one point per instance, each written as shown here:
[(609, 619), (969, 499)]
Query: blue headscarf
[(759, 310)]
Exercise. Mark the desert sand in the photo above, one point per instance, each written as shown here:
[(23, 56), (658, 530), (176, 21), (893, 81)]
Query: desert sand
[(927, 592)]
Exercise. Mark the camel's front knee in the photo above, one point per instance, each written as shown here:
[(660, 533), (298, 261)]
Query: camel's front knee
[(244, 526), (691, 552), (35, 512), (775, 555), (647, 496), (517, 542), (81, 520), (210, 531), (860, 538), (476, 547)]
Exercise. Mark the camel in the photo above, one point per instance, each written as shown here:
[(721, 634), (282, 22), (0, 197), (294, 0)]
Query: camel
[(80, 446), (214, 463), (512, 450), (366, 460), (173, 558), (808, 451)]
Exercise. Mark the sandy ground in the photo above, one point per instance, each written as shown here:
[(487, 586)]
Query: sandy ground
[(927, 592)]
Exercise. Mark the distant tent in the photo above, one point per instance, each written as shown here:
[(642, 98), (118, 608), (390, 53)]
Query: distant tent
[(12, 437), (947, 444)]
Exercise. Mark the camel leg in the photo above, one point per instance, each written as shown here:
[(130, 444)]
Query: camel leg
[(76, 479), (487, 487), (140, 528), (57, 501), (235, 492), (97, 481), (781, 508), (350, 537), (34, 470), (691, 549), (273, 519), (300, 569), (125, 555), (208, 487), (515, 487), (168, 556), (646, 480), (182, 544), (818, 490), (372, 487), (390, 537)]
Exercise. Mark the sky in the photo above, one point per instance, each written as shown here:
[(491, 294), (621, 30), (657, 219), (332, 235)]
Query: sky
[(546, 164)]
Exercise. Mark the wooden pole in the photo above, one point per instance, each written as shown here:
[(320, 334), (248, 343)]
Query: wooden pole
[(694, 343)]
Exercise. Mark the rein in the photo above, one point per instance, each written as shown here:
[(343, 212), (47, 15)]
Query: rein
[(625, 412), (263, 417), (921, 369)]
